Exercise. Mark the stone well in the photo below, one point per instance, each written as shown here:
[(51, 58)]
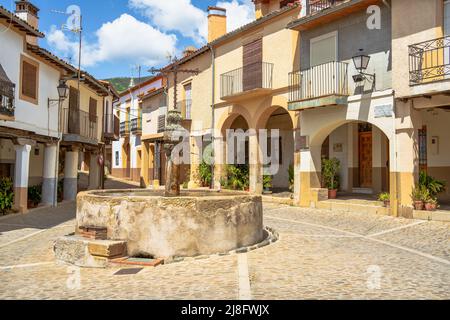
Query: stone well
[(196, 223)]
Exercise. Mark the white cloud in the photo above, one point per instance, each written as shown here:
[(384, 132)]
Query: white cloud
[(190, 21), (175, 15), (239, 13), (124, 39)]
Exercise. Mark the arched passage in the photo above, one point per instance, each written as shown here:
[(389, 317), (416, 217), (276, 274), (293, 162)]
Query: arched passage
[(364, 152), (279, 123)]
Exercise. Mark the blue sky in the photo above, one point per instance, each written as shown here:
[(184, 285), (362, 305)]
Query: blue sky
[(121, 34)]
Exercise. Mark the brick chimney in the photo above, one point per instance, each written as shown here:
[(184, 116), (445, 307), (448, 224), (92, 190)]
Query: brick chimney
[(29, 13), (217, 23)]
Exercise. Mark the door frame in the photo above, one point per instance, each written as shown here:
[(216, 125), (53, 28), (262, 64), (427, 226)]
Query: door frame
[(360, 135)]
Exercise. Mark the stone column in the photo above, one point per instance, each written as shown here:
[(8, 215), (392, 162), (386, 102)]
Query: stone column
[(310, 188), (94, 171), (145, 161), (22, 168), (256, 172), (219, 161), (194, 179), (157, 166), (50, 178), (71, 174)]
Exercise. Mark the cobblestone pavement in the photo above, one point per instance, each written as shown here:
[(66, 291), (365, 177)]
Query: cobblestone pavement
[(320, 255)]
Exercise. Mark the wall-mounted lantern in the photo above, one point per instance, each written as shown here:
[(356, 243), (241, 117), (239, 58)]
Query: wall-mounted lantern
[(361, 62)]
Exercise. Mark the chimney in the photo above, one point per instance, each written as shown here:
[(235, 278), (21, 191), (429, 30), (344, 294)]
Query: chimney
[(189, 50), (29, 13), (262, 8), (217, 23)]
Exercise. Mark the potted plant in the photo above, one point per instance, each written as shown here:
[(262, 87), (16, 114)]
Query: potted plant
[(34, 196), (431, 204), (267, 184), (291, 178), (330, 169), (6, 195), (386, 198), (420, 195)]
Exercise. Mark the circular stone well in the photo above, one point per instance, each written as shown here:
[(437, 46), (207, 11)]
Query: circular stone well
[(196, 223)]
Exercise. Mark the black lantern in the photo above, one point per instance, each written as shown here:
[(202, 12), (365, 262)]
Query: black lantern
[(63, 90), (361, 62)]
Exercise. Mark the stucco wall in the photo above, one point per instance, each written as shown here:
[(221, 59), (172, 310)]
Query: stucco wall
[(413, 21), (28, 116), (352, 35)]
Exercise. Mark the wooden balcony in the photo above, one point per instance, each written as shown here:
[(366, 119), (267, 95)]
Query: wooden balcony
[(320, 12), (250, 81), (136, 126), (322, 85), (79, 126), (125, 129), (111, 129)]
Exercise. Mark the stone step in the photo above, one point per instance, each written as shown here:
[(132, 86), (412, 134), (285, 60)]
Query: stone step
[(362, 190), (88, 253)]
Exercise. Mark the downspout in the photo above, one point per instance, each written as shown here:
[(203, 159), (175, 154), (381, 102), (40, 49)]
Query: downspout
[(55, 198), (213, 99)]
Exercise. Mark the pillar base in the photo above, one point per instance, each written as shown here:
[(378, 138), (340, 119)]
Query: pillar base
[(21, 200), (70, 188), (48, 191)]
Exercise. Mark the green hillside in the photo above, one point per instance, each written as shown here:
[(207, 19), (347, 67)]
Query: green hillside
[(122, 83)]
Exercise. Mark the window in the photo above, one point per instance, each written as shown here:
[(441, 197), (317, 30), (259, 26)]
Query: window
[(92, 110), (117, 158), (323, 49), (423, 162), (29, 75)]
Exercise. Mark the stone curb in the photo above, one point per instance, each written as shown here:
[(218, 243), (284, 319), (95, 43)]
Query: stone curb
[(272, 237)]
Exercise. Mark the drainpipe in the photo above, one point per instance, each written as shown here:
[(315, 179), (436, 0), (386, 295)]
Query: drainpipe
[(213, 99), (55, 198)]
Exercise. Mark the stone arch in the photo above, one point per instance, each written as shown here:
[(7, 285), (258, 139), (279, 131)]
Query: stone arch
[(226, 120)]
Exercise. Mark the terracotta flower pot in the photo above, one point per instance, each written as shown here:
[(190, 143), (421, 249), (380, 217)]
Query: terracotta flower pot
[(387, 203), (430, 206), (332, 194), (418, 205)]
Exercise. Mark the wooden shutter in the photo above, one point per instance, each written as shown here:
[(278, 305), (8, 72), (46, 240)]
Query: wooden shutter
[(252, 62), (29, 80), (92, 110), (74, 112)]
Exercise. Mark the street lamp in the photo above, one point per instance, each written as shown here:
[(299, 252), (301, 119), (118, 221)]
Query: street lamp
[(63, 90), (361, 62)]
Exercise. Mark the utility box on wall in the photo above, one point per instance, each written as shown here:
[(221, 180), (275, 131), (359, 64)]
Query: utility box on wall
[(434, 145)]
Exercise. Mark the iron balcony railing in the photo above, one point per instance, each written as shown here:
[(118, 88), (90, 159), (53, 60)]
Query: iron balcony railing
[(319, 81), (79, 123), (253, 76), (314, 6), (185, 107), (125, 128), (136, 125), (111, 126), (429, 61), (161, 123)]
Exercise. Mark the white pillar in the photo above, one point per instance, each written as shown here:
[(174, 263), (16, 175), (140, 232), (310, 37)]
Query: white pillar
[(256, 172), (94, 172), (50, 179), (71, 175), (22, 168)]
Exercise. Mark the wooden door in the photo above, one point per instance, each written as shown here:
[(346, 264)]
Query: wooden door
[(252, 62), (365, 159), (74, 112)]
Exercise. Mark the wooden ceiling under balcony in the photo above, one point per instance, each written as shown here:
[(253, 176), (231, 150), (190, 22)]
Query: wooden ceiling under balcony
[(332, 13)]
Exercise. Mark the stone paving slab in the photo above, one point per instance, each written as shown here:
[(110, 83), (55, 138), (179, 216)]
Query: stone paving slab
[(320, 255)]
